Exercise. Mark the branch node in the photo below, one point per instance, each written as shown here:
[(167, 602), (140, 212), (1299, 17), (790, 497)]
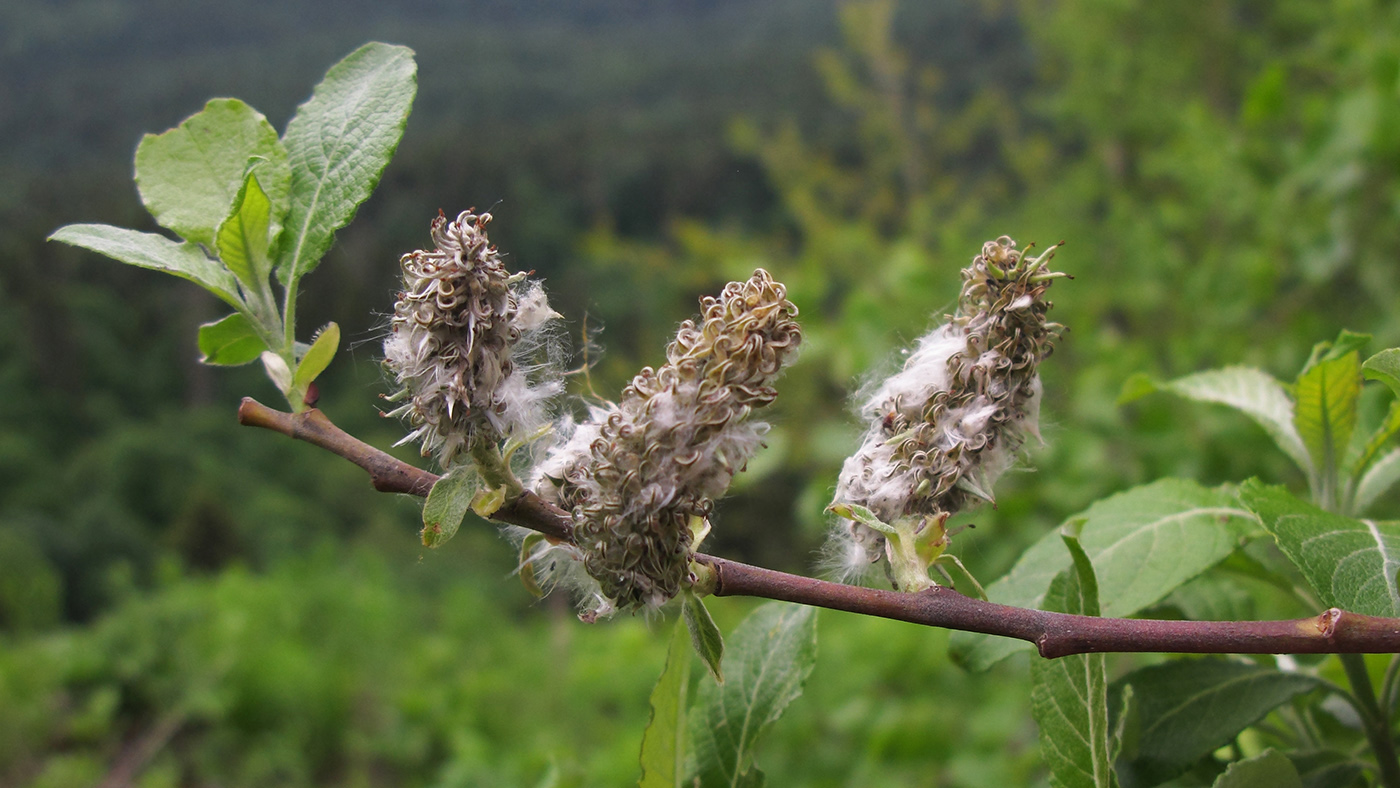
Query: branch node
[(1328, 621)]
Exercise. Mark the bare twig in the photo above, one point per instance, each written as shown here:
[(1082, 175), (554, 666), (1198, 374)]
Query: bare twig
[(1054, 634)]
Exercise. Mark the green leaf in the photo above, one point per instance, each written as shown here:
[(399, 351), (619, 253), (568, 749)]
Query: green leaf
[(1136, 387), (339, 144), (1188, 708), (704, 634), (1377, 441), (771, 653), (1325, 413), (1253, 393), (148, 250), (663, 743), (1326, 768), (1269, 769), (1211, 598), (244, 238), (317, 357), (230, 342), (1350, 563), (1346, 342), (1380, 477), (1069, 695), (447, 504), (189, 176), (1144, 542), (1385, 367)]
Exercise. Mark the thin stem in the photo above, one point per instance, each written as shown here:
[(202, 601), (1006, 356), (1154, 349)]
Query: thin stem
[(1054, 634), (1375, 723), (1292, 738), (289, 338), (1309, 720), (1388, 687)]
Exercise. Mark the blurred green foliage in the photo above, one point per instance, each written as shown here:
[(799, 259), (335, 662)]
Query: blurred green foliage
[(197, 604), (333, 670)]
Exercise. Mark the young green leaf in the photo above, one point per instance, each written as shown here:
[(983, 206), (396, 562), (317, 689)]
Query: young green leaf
[(1325, 415), (339, 144), (317, 357), (148, 250), (243, 238), (230, 342), (704, 634), (1374, 444), (1137, 386), (663, 743), (1069, 695), (1253, 393), (189, 176), (1380, 477), (447, 504), (1351, 564), (1385, 367), (1270, 769), (1145, 542), (1346, 342), (771, 653), (1188, 708)]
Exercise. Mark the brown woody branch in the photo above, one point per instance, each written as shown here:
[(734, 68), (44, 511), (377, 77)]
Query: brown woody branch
[(1054, 634)]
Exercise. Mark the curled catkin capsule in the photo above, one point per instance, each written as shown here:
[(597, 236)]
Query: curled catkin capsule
[(463, 342), (945, 427), (638, 471)]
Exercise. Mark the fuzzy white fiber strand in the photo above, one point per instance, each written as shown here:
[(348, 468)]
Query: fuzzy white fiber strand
[(474, 348), (642, 472), (945, 427)]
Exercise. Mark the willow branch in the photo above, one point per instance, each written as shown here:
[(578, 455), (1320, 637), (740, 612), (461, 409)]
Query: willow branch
[(1333, 631)]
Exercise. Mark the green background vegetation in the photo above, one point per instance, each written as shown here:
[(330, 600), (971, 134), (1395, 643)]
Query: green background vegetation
[(184, 602)]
